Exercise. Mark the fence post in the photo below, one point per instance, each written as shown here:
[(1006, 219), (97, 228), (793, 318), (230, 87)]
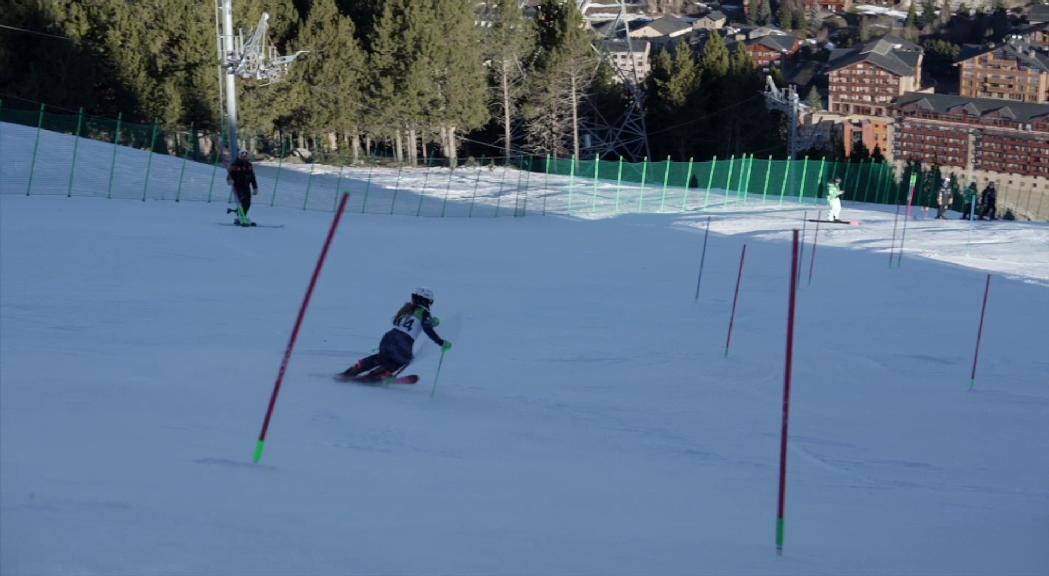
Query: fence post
[(666, 178), (149, 159), (845, 181), (396, 187), (215, 164), (113, 163), (819, 178), (527, 185), (36, 145), (499, 194), (185, 158), (688, 181), (619, 182), (338, 184), (804, 175), (477, 181), (710, 180), (276, 179), (571, 183), (644, 173), (728, 181), (765, 189), (447, 189), (309, 183), (545, 185), (593, 199), (76, 141), (367, 188), (422, 192), (746, 185), (786, 176)]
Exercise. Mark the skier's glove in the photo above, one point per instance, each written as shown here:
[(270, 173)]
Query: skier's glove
[(435, 321), (446, 346)]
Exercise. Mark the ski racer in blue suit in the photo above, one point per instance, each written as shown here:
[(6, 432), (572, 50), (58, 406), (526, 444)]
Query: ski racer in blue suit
[(395, 349)]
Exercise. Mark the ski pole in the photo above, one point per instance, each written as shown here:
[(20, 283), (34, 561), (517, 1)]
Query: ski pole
[(440, 361)]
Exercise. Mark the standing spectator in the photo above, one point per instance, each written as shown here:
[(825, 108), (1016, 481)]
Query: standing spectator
[(968, 207), (989, 200), (242, 176), (943, 199)]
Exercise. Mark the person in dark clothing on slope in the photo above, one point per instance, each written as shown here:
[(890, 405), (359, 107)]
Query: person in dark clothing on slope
[(241, 175), (395, 349), (990, 203)]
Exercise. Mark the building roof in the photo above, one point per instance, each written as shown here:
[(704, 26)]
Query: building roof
[(890, 52), (1019, 49), (714, 16), (777, 42), (667, 25), (1038, 13), (616, 46), (1021, 112)]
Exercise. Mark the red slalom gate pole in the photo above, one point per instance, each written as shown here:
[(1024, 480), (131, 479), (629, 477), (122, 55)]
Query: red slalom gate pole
[(979, 333), (786, 396), (732, 319), (261, 445)]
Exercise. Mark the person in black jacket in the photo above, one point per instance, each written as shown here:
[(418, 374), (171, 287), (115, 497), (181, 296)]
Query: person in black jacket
[(990, 202), (395, 349), (241, 175)]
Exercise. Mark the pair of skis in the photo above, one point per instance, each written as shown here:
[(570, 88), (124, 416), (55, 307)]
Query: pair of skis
[(409, 379)]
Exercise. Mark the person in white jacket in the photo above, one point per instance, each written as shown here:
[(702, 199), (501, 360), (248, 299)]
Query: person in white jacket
[(834, 193)]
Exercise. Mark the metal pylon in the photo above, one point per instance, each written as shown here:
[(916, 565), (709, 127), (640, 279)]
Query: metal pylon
[(627, 137)]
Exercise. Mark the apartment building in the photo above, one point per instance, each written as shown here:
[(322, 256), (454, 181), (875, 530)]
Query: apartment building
[(867, 80), (629, 60), (980, 139), (1013, 70)]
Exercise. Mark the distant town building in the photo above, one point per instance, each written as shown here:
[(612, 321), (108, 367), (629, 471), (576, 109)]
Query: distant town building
[(1013, 70), (984, 139), (713, 21), (1038, 13), (866, 80), (627, 61), (835, 6), (663, 27), (773, 49)]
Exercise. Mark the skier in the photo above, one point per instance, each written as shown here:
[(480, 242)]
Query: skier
[(395, 349), (943, 199), (242, 176), (834, 199)]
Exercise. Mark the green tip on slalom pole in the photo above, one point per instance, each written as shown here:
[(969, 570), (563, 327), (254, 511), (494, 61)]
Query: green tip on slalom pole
[(779, 536), (259, 447), (972, 384)]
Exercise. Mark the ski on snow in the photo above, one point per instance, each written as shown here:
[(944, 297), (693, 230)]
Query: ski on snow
[(849, 222), (409, 379)]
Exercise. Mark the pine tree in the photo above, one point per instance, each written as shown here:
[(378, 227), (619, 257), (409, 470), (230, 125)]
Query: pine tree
[(462, 98), (509, 40), (561, 80), (331, 75), (814, 99), (672, 88)]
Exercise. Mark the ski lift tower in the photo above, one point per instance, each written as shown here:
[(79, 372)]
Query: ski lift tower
[(254, 60), (786, 101), (628, 136)]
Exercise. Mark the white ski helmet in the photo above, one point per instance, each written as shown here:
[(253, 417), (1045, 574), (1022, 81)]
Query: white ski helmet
[(422, 297)]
